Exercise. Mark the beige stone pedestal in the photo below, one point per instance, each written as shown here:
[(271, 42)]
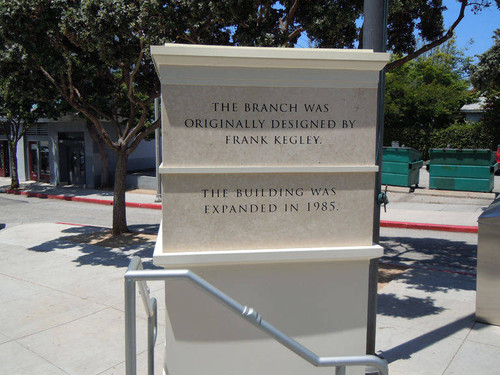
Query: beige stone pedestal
[(268, 182)]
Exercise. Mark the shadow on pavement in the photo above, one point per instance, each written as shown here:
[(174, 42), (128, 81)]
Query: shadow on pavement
[(145, 228), (429, 280), (407, 307), (405, 350), (101, 253), (438, 253)]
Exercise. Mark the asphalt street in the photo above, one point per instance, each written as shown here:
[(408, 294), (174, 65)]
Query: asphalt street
[(18, 209)]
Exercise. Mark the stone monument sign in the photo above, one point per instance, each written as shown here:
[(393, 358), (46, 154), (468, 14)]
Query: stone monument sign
[(268, 173)]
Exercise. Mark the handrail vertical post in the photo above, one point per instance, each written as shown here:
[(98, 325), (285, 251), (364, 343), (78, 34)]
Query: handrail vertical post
[(130, 328), (340, 370), (152, 331)]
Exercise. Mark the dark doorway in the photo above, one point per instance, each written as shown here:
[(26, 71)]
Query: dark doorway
[(4, 159), (33, 160), (39, 166), (72, 158), (44, 167)]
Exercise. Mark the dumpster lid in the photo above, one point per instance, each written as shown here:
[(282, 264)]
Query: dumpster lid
[(492, 213)]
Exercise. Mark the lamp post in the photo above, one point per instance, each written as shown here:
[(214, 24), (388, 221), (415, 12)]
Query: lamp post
[(375, 38)]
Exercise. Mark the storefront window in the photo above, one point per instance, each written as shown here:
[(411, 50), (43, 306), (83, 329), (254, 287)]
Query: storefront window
[(44, 162)]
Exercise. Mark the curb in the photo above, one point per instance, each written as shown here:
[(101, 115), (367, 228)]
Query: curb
[(442, 193), (428, 226), (106, 202)]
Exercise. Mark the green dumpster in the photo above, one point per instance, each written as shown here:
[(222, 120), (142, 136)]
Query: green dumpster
[(465, 170), (401, 166)]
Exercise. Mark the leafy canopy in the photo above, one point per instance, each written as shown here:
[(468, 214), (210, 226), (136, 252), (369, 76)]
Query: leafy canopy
[(428, 91), (24, 95), (425, 95), (486, 78)]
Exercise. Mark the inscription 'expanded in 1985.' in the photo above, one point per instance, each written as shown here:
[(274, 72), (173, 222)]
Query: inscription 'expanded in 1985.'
[(321, 200)]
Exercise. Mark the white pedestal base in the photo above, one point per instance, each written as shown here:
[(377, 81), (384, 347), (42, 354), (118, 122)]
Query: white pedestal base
[(321, 304)]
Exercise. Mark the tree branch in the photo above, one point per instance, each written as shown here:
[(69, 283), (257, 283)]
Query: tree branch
[(136, 68), (131, 116), (285, 23), (69, 74), (295, 33), (189, 39), (61, 88), (143, 135), (142, 120), (397, 63)]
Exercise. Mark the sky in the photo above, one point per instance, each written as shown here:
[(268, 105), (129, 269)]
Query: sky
[(473, 34), (478, 27)]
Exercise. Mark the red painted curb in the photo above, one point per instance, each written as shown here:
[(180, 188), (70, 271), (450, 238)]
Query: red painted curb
[(105, 202), (73, 224), (152, 206), (427, 226)]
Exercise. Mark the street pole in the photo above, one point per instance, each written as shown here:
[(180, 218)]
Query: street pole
[(375, 38), (158, 151)]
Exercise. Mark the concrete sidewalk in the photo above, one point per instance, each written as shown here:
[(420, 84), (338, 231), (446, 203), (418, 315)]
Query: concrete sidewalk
[(62, 302), (62, 311), (436, 206)]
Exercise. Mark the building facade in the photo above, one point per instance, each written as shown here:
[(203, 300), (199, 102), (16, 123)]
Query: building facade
[(62, 152)]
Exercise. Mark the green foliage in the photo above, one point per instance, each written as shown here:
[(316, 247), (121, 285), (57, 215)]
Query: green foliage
[(416, 137), (486, 74), (486, 78), (425, 95), (463, 135), (24, 98), (458, 135), (428, 91), (406, 18)]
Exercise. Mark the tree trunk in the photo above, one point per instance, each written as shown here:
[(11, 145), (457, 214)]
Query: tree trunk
[(14, 177), (119, 214), (103, 154)]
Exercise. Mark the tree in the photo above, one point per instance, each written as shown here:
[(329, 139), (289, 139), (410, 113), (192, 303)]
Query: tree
[(96, 53), (410, 21), (486, 78), (24, 99), (424, 95), (328, 24)]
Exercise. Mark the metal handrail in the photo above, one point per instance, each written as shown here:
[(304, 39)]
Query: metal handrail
[(136, 274), (151, 307)]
